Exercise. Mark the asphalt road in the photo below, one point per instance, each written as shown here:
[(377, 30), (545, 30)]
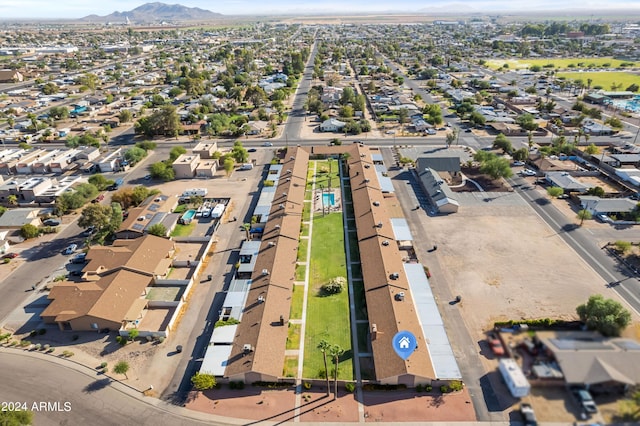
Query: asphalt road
[(91, 399)]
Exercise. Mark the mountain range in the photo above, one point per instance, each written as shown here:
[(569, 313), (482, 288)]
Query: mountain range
[(157, 12)]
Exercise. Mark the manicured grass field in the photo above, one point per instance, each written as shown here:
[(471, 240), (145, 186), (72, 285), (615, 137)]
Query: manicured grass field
[(296, 302), (293, 336), (183, 230), (558, 63), (302, 249), (290, 366), (327, 316), (304, 230), (300, 272), (604, 78), (322, 174)]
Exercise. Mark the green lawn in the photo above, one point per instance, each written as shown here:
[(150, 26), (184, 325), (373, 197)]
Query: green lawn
[(300, 272), (306, 212), (293, 336), (290, 366), (296, 302), (183, 230), (302, 249), (327, 171), (327, 317), (558, 63), (304, 229), (181, 208), (604, 78)]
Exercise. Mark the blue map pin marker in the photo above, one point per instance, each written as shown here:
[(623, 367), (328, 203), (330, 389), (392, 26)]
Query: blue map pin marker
[(404, 343)]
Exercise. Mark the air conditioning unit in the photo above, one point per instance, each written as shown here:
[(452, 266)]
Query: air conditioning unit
[(385, 243), (260, 299), (284, 194), (379, 225), (271, 244), (277, 226), (247, 348), (265, 272)]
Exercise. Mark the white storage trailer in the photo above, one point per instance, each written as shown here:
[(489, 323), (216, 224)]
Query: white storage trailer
[(217, 210), (193, 192), (514, 378)]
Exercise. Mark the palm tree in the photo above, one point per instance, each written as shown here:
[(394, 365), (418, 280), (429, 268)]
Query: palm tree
[(324, 347), (584, 214), (335, 351), (247, 227)]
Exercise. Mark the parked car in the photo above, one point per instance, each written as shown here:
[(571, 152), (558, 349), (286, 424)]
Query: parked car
[(147, 177), (431, 132), (70, 249), (251, 150), (518, 163), (51, 222), (79, 258), (267, 144), (527, 172), (586, 400), (10, 255), (528, 416), (496, 346)]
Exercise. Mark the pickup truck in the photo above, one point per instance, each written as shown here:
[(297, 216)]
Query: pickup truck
[(528, 416)]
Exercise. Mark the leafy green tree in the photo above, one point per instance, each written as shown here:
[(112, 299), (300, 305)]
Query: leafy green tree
[(604, 315), (97, 215), (555, 191), (228, 165), (239, 153), (324, 348), (29, 231), (59, 112), (176, 152), (133, 334), (203, 381), (584, 214), (520, 154), (121, 367), (503, 143), (125, 116), (623, 246), (159, 230), (164, 121), (496, 168), (477, 118), (135, 155), (348, 96), (116, 217), (147, 145), (161, 170), (591, 149), (597, 191), (16, 418), (100, 182)]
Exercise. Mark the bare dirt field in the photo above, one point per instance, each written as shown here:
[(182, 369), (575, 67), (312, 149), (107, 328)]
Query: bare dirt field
[(508, 264)]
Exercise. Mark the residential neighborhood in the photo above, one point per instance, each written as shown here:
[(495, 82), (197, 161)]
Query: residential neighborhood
[(397, 218)]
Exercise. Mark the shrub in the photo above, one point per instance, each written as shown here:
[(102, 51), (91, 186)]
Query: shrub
[(46, 347), (456, 385), (240, 385), (103, 365), (42, 331), (445, 389), (50, 350), (33, 333), (307, 385), (121, 340), (67, 354), (623, 246), (149, 338), (203, 381), (350, 387), (334, 286), (24, 343), (13, 343), (418, 387), (160, 339), (428, 388), (37, 347)]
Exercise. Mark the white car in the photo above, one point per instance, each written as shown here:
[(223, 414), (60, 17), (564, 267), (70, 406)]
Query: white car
[(518, 163), (527, 172), (267, 144)]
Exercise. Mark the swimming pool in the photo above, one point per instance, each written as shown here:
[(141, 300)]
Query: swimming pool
[(329, 199), (188, 216)]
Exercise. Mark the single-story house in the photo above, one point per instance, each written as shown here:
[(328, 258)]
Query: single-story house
[(17, 218), (567, 182), (332, 125), (607, 206)]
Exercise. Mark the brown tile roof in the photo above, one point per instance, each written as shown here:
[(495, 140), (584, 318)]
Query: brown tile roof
[(110, 298), (148, 254), (270, 294), (380, 257), (147, 210)]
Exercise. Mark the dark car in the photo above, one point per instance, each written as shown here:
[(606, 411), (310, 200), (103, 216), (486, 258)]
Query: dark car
[(51, 222), (10, 255), (251, 150)]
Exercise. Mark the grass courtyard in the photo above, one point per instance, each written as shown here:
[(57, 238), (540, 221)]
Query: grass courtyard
[(603, 78), (558, 63), (327, 316)]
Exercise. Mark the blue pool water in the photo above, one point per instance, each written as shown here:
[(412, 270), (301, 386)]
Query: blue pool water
[(329, 199), (188, 216)]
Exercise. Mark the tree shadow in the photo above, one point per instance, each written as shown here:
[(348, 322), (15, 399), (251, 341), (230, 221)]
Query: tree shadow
[(97, 385)]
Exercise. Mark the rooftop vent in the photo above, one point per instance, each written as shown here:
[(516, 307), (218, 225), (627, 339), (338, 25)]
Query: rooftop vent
[(394, 276), (366, 181), (385, 243), (400, 296), (141, 218), (379, 225), (265, 272), (271, 244), (277, 226), (281, 206), (247, 348), (376, 203), (284, 194), (260, 299), (366, 166)]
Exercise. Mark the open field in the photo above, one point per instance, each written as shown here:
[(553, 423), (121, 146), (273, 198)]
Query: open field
[(558, 63), (327, 316), (603, 78)]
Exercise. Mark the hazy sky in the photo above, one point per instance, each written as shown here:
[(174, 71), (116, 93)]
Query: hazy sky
[(79, 8)]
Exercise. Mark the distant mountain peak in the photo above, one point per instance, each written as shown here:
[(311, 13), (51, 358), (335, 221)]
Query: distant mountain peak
[(157, 12)]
